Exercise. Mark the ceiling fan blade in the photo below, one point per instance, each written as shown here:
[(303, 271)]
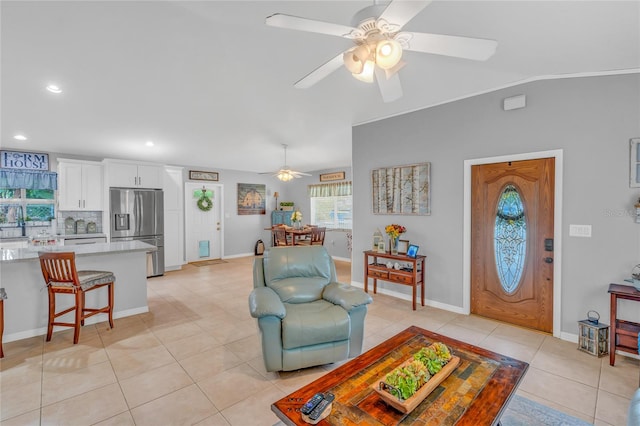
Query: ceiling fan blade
[(310, 25), (319, 73), (299, 174), (390, 88), (478, 49), (399, 12)]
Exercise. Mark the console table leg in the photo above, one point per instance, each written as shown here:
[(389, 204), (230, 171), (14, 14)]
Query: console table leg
[(612, 335)]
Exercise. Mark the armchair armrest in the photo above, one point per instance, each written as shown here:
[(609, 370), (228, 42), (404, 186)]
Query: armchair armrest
[(265, 302), (346, 296)]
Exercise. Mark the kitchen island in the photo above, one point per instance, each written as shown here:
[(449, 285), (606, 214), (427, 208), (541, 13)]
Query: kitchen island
[(26, 309)]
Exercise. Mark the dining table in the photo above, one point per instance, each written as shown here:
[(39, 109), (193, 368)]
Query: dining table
[(293, 234)]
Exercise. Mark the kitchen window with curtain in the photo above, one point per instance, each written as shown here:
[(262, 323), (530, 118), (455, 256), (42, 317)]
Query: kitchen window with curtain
[(331, 205), (26, 196)]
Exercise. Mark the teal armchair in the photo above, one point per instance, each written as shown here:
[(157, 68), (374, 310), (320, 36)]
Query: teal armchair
[(305, 316)]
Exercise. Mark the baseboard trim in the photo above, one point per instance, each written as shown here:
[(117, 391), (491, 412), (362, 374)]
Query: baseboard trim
[(235, 256), (89, 321), (407, 297), (342, 259)]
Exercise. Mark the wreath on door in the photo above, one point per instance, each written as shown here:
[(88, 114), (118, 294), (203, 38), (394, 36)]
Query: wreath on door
[(205, 202)]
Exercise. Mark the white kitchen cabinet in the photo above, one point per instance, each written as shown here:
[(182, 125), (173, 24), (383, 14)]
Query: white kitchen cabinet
[(79, 185), (173, 218), (132, 175)]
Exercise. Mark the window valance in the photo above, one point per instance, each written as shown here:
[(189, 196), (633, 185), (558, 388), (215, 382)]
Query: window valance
[(337, 189), (28, 179)]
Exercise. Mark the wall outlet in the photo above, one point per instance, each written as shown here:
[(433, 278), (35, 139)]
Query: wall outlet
[(580, 231)]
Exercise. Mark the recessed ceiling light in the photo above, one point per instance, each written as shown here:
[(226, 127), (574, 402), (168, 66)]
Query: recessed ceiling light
[(149, 143), (20, 137), (54, 89)]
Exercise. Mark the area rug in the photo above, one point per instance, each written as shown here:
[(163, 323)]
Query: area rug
[(208, 262), (524, 412)]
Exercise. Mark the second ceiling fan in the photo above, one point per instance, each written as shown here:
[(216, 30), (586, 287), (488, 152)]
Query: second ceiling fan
[(379, 43)]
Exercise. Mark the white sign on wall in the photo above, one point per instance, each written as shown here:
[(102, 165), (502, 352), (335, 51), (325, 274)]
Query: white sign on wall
[(24, 160)]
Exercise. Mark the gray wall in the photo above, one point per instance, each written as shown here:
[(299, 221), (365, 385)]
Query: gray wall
[(590, 118)]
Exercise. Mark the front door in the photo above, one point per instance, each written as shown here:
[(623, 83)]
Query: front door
[(512, 242), (203, 227)]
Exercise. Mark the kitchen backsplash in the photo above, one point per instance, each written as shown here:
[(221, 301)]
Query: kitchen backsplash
[(87, 216)]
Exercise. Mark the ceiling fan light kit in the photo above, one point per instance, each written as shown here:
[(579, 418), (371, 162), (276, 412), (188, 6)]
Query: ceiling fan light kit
[(379, 43), (285, 174)]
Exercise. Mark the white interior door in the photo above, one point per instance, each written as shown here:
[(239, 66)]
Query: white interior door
[(203, 229)]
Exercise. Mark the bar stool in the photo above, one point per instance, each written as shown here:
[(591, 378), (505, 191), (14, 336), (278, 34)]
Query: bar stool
[(3, 295), (60, 276)]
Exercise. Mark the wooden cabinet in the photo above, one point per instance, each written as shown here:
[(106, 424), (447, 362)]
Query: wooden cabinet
[(132, 175), (624, 334), (411, 273), (80, 185), (279, 217)]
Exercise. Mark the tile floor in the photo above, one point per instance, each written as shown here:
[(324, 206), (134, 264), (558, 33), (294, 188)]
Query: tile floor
[(195, 358)]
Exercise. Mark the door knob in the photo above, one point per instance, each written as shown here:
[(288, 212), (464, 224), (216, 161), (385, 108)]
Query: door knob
[(548, 259)]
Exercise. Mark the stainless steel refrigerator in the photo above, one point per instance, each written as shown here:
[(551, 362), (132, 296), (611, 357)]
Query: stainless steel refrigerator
[(138, 214)]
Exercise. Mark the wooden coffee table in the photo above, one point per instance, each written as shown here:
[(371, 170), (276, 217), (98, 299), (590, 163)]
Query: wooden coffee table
[(476, 393)]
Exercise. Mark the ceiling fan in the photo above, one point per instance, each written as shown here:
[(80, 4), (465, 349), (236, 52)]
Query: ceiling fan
[(285, 174), (379, 43)]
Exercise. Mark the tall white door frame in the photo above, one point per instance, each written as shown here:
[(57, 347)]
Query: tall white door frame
[(191, 208), (557, 229)]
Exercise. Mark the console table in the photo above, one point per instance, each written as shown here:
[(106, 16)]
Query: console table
[(624, 334), (411, 276)]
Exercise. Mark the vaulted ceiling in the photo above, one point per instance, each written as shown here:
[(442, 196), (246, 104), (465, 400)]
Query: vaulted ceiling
[(212, 86)]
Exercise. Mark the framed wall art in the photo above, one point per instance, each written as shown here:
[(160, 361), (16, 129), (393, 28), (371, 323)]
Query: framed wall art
[(251, 198), (402, 189), (198, 175), (327, 177)]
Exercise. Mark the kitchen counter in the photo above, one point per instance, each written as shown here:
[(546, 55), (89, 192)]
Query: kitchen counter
[(29, 253), (26, 308)]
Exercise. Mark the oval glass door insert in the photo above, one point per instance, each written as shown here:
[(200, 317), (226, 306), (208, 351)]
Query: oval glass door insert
[(510, 238)]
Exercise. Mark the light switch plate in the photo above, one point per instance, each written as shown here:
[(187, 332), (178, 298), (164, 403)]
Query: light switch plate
[(580, 231)]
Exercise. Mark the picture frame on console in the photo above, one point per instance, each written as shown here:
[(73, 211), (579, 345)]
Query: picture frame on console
[(403, 246), (412, 251), (381, 247)]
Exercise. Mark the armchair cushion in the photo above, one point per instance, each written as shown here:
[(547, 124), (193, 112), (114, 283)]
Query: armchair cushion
[(348, 297), (263, 301), (314, 323)]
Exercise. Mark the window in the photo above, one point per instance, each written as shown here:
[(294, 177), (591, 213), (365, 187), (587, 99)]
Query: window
[(331, 205), (26, 204)]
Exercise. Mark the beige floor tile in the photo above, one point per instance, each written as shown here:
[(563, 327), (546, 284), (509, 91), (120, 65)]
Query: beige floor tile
[(215, 420), (564, 366), (233, 385), (20, 400), (122, 419), (192, 345), (128, 365), (599, 422), (462, 333), (520, 335), (257, 364), (247, 348), (254, 410), (475, 322), (87, 408), (209, 363), (32, 418), (622, 379), (19, 374), (23, 349), (56, 387), (562, 391), (153, 384), (67, 360), (169, 333), (290, 381), (128, 345), (182, 407), (508, 348), (612, 408)]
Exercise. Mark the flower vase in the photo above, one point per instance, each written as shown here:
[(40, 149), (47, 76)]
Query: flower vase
[(297, 224), (393, 243)]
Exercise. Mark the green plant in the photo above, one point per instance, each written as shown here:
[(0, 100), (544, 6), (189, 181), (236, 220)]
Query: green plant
[(286, 203)]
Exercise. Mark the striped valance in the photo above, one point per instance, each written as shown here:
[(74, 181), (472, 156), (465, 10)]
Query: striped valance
[(330, 189)]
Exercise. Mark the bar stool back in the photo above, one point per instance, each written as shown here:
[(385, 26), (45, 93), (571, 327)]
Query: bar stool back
[(60, 276)]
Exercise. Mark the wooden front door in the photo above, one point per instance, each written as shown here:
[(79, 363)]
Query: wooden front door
[(512, 242)]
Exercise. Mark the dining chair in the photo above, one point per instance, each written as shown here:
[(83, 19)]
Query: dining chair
[(317, 237), (279, 236), (61, 277)]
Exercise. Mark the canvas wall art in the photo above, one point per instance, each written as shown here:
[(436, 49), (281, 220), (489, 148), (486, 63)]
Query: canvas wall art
[(402, 189)]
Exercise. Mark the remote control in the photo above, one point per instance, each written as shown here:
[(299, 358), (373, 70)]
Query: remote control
[(316, 412), (312, 403)]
